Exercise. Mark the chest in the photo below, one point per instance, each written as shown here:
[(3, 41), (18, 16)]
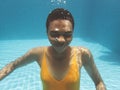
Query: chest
[(60, 70)]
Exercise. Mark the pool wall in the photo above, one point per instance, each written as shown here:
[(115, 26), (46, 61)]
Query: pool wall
[(95, 21)]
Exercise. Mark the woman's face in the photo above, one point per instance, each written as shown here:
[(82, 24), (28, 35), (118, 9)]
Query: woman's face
[(60, 34)]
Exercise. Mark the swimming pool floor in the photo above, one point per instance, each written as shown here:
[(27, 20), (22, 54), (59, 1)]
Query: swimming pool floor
[(28, 77)]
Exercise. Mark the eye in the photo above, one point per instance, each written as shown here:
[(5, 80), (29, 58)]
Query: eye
[(68, 34), (54, 34)]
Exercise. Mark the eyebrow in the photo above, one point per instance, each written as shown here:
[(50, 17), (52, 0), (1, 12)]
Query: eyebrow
[(60, 32), (68, 32)]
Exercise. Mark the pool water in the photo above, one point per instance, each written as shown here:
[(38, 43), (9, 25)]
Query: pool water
[(28, 77)]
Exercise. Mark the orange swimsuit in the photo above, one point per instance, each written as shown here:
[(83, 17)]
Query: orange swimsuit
[(71, 81)]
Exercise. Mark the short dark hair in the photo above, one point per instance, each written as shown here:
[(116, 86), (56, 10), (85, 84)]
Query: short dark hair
[(59, 13)]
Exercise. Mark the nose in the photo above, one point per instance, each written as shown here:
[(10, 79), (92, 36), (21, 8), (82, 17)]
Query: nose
[(61, 39)]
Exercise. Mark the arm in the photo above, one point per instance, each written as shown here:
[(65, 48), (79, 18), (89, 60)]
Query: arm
[(90, 67), (29, 57)]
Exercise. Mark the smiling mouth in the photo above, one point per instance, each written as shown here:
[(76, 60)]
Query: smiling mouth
[(60, 45)]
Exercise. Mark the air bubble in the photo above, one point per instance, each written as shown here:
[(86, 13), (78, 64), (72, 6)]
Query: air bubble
[(58, 1)]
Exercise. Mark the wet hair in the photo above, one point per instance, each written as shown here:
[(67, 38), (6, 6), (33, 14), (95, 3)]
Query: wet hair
[(59, 13)]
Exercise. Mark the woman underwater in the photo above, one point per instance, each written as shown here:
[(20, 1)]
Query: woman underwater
[(60, 63)]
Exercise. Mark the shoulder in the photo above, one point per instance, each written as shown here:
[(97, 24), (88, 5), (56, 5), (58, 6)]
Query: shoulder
[(85, 54), (36, 51), (81, 50), (84, 51)]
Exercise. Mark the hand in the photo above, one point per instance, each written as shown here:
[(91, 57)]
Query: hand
[(101, 86), (5, 71)]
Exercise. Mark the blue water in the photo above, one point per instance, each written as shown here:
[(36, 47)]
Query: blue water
[(96, 27), (98, 20), (28, 77)]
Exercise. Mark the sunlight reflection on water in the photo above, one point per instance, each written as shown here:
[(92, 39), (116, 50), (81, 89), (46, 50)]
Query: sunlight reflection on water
[(58, 2)]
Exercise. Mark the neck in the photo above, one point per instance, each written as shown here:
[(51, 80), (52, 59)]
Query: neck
[(59, 55)]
